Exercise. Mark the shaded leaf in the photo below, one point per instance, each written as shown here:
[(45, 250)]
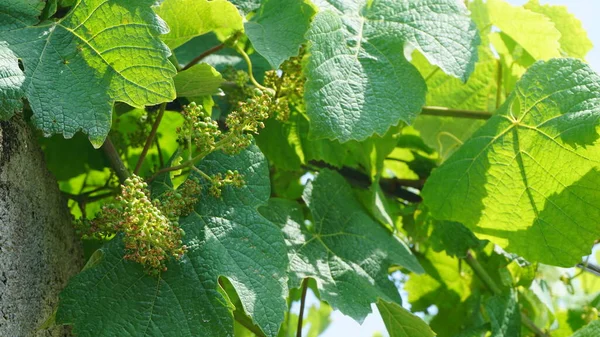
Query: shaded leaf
[(11, 82), (505, 315), (277, 30), (346, 251)]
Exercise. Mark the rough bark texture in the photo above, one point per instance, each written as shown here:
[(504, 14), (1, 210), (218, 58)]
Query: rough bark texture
[(39, 251)]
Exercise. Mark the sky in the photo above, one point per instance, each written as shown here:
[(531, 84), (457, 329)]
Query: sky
[(343, 326)]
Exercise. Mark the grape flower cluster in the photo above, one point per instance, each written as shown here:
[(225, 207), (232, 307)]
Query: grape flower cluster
[(151, 231), (198, 129), (230, 178)]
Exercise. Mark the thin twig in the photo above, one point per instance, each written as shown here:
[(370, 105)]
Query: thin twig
[(150, 138), (302, 304), (161, 160), (590, 268), (499, 84), (482, 274), (220, 144), (203, 55), (87, 198), (115, 160), (445, 112)]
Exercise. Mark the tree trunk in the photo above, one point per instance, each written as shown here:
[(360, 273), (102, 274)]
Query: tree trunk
[(39, 250)]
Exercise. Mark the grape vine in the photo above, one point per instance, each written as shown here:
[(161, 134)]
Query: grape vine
[(225, 160)]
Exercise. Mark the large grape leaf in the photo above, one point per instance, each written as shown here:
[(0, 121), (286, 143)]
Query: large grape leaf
[(226, 237), (574, 40), (345, 250), (358, 80), (277, 30), (11, 80), (401, 323), (76, 68), (533, 31), (190, 18), (530, 174)]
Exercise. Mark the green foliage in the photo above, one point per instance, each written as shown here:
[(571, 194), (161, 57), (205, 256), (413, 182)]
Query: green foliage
[(504, 315), (357, 60), (277, 42), (199, 80), (401, 323), (219, 243), (573, 38), (190, 18), (11, 80), (258, 150), (77, 67), (505, 183), (341, 238)]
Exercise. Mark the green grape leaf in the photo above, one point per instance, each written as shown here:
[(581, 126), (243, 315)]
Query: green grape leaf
[(116, 297), (346, 251), (318, 318), (401, 323), (199, 80), (533, 31), (190, 18), (454, 238), (50, 9), (246, 6), (277, 30), (574, 40), (280, 142), (447, 284), (590, 330), (358, 80), (505, 315), (442, 283), (530, 174), (76, 68), (11, 82), (288, 146)]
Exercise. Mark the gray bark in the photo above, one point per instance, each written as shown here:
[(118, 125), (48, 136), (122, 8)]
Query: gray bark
[(39, 250)]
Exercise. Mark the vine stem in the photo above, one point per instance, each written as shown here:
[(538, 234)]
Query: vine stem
[(231, 40), (302, 304), (203, 55), (445, 112), (220, 144), (493, 287), (250, 72), (150, 138), (115, 160), (499, 84)]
